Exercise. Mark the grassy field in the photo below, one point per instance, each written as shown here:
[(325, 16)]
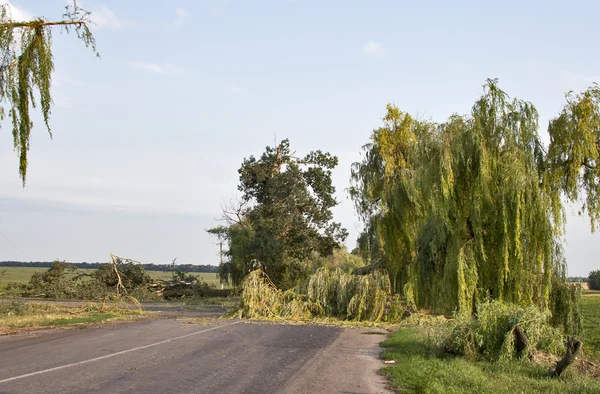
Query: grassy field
[(23, 274), (423, 367), (590, 308)]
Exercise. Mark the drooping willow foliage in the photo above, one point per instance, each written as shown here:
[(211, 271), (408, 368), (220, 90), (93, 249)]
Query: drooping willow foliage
[(26, 67), (471, 209), (328, 293)]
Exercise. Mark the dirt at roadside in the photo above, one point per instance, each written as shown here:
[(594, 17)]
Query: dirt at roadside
[(349, 365)]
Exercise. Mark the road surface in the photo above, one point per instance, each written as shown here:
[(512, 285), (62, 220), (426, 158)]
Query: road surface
[(191, 356)]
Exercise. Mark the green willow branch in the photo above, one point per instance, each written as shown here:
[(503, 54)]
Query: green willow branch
[(26, 68)]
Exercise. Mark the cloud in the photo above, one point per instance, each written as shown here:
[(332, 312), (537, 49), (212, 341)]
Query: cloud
[(62, 102), (105, 18), (181, 16), (373, 48), (18, 13), (156, 68), (575, 78), (63, 79), (235, 89)]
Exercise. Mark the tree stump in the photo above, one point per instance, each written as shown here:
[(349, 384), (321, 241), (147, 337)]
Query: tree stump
[(573, 348)]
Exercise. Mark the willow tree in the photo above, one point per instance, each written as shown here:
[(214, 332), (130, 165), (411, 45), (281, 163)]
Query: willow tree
[(26, 67), (472, 208)]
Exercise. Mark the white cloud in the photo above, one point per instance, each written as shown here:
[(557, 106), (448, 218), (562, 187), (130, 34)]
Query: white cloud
[(17, 13), (373, 48), (62, 102), (105, 18), (235, 89), (60, 79), (181, 16), (156, 68), (575, 78)]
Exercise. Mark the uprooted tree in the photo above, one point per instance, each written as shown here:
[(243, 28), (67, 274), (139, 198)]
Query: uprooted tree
[(284, 215), (122, 277), (472, 208), (26, 67)]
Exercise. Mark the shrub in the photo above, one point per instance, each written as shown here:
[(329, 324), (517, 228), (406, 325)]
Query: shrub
[(491, 335)]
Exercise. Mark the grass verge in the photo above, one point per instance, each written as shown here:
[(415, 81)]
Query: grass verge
[(16, 316), (421, 366)]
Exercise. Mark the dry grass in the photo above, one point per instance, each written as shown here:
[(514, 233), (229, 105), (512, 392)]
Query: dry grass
[(18, 315)]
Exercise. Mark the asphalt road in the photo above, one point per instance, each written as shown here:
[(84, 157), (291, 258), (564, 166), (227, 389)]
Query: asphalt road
[(178, 356)]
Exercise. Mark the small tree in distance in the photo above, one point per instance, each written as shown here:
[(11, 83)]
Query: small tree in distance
[(594, 280)]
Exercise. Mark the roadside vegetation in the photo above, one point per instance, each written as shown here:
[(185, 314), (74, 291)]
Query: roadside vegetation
[(464, 221), (422, 366), (99, 287), (22, 275), (18, 315), (64, 281)]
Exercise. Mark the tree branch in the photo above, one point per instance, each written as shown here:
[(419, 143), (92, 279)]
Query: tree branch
[(40, 23)]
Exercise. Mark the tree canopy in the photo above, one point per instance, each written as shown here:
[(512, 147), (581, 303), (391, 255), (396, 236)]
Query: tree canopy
[(26, 67), (284, 215), (472, 208)]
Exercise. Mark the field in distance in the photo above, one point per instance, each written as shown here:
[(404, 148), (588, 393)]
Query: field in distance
[(23, 274)]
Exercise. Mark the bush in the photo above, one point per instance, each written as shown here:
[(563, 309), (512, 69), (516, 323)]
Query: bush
[(491, 335), (594, 280)]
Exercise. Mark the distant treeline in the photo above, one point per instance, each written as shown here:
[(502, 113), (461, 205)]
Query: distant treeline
[(84, 265), (577, 279)]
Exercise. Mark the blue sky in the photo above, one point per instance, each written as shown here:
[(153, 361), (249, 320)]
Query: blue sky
[(148, 140)]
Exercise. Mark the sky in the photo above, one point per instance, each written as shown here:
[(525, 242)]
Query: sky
[(147, 140)]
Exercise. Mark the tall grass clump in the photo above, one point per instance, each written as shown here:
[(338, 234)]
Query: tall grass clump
[(493, 334), (328, 293)]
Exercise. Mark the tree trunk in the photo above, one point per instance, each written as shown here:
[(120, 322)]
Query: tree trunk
[(573, 348), (521, 341)]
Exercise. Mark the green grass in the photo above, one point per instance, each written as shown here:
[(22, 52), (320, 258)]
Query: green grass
[(422, 367), (23, 274), (17, 274), (590, 308)]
